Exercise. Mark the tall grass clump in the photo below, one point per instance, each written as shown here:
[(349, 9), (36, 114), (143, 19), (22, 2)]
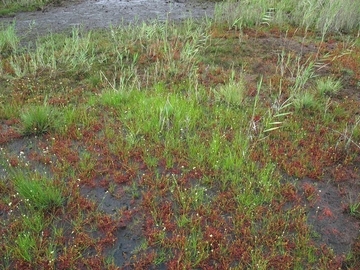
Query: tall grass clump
[(323, 16), (57, 52), (43, 57), (169, 51), (9, 41), (78, 51), (328, 16)]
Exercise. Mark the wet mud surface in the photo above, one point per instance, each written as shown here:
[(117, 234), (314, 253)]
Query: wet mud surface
[(325, 202), (91, 14), (327, 212)]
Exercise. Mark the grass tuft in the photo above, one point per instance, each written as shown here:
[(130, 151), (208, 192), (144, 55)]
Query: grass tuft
[(305, 101), (25, 246), (328, 86), (37, 119), (38, 192), (233, 93)]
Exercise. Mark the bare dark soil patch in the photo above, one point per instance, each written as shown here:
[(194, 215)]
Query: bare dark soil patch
[(327, 204)]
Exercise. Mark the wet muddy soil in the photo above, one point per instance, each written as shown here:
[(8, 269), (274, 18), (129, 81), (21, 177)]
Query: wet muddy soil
[(92, 14), (328, 214), (325, 202)]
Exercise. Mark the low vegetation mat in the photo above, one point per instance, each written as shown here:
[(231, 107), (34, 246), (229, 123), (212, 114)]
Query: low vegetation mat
[(227, 143)]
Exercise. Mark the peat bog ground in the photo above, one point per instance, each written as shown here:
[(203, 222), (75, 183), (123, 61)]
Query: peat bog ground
[(229, 142)]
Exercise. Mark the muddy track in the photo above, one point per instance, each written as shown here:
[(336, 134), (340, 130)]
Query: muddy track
[(91, 14)]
